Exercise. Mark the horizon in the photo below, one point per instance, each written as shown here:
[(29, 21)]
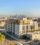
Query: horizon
[(23, 7)]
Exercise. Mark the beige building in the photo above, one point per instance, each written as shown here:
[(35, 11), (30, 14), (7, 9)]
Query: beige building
[(3, 23), (24, 26)]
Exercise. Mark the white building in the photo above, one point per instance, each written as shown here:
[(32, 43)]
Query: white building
[(23, 27)]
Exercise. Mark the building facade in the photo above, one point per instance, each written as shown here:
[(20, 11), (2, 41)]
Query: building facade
[(24, 26)]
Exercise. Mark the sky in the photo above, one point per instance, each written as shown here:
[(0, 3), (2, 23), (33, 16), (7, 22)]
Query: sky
[(23, 7)]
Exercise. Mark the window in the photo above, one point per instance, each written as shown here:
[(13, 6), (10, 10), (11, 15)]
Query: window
[(26, 28)]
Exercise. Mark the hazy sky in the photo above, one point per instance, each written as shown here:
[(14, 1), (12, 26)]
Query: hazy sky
[(27, 7)]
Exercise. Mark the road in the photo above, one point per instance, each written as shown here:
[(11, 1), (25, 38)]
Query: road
[(14, 42)]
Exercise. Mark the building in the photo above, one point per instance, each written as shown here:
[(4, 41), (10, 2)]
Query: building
[(10, 25), (36, 35), (24, 26), (20, 26), (3, 23)]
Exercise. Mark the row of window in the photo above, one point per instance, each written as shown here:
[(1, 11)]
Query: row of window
[(27, 28)]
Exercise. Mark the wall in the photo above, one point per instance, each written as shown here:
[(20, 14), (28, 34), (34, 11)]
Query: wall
[(17, 29), (35, 25)]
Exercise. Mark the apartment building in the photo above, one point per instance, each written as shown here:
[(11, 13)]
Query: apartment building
[(10, 25), (21, 26), (24, 26), (18, 26)]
